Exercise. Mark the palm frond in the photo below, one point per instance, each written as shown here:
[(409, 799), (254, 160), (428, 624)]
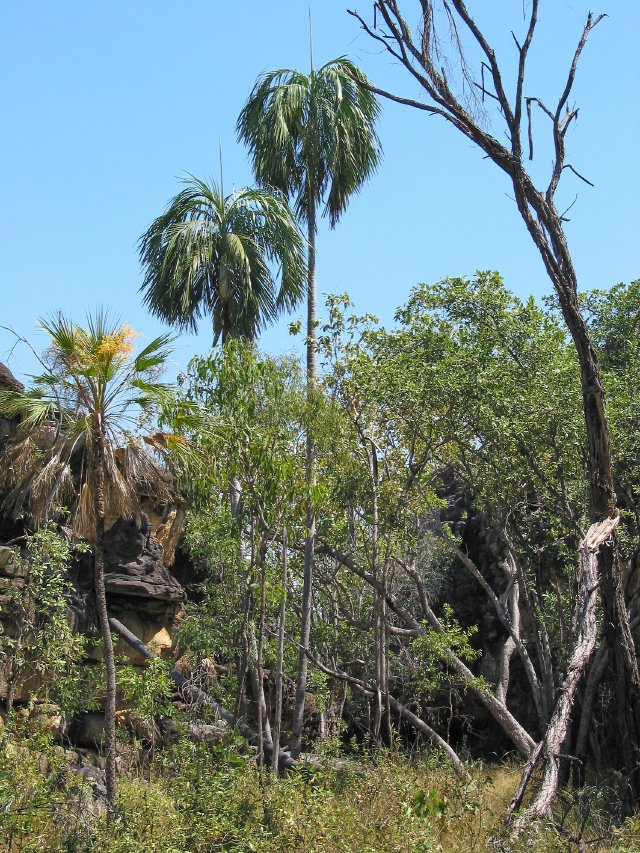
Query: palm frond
[(313, 137), (210, 255), (154, 354), (94, 386), (31, 408)]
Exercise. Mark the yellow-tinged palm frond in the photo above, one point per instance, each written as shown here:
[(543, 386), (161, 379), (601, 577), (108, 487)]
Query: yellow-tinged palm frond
[(95, 387)]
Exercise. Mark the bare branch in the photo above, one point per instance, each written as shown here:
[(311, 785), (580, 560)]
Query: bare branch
[(529, 129), (577, 174), (558, 133), (563, 216), (515, 136), (409, 102), (488, 51), (590, 24)]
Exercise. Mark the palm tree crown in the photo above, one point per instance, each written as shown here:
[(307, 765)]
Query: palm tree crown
[(93, 384), (213, 254), (312, 136)]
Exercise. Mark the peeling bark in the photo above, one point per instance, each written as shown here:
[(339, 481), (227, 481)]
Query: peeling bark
[(550, 747)]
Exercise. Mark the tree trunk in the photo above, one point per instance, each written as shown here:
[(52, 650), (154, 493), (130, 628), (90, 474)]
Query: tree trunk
[(282, 620), (285, 762), (518, 736), (310, 539), (264, 729), (586, 630), (249, 644), (103, 616), (545, 225), (379, 613)]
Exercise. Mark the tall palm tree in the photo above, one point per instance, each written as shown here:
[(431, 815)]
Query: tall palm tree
[(313, 137), (211, 254), (71, 421)]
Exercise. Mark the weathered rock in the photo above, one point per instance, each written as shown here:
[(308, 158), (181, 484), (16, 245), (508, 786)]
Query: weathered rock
[(49, 718), (90, 773), (87, 729), (29, 685), (6, 558), (7, 584), (8, 381), (170, 532), (203, 733), (134, 565)]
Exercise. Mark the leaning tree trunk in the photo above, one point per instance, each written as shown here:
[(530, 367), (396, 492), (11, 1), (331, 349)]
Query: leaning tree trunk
[(310, 539), (586, 623), (194, 694), (103, 616)]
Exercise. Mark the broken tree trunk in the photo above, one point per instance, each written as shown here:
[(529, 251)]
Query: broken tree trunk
[(586, 630)]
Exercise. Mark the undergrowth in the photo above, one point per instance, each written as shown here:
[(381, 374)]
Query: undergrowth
[(198, 798)]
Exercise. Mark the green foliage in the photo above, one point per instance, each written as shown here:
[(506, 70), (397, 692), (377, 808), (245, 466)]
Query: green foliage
[(46, 647), (147, 690), (253, 434), (199, 800), (35, 788), (433, 649), (614, 322)]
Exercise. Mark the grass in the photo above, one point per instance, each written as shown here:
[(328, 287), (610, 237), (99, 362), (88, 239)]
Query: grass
[(196, 799)]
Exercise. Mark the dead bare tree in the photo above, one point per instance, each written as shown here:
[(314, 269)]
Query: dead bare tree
[(430, 51)]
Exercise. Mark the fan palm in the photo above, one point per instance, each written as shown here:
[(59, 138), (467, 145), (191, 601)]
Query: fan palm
[(313, 137), (211, 254), (65, 448)]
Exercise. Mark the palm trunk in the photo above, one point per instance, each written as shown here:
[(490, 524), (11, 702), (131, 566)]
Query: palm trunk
[(310, 540), (103, 616)]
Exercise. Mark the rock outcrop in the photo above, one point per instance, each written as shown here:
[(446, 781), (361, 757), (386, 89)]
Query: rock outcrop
[(141, 590)]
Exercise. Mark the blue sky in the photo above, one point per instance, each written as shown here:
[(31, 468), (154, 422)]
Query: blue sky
[(106, 105)]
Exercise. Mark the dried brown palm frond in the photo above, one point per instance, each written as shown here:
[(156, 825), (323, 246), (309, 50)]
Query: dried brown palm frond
[(93, 378)]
